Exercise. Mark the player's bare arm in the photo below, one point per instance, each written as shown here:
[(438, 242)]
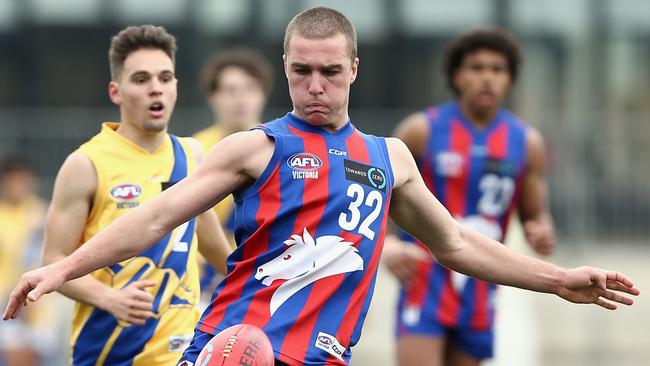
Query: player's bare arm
[(74, 191), (212, 240), (234, 163), (399, 257), (418, 212), (533, 206)]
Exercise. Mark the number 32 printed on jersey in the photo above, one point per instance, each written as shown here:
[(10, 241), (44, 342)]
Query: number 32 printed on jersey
[(351, 219)]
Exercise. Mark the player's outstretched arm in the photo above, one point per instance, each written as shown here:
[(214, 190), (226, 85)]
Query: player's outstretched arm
[(233, 163), (418, 212)]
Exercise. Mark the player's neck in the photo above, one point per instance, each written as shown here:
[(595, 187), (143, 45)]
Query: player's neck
[(480, 117), (148, 140), (332, 125)]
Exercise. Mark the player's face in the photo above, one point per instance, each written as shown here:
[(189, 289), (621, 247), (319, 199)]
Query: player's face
[(320, 72), (483, 79), (239, 101), (17, 186), (146, 90)]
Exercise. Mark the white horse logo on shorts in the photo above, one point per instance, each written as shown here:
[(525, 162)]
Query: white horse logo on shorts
[(305, 261)]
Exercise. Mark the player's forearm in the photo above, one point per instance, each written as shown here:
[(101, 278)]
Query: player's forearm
[(122, 239), (213, 243), (89, 290), (486, 259), (86, 289)]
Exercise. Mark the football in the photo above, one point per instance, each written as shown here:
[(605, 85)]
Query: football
[(241, 344)]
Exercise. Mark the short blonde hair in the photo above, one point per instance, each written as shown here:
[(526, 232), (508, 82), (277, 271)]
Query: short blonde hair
[(320, 23)]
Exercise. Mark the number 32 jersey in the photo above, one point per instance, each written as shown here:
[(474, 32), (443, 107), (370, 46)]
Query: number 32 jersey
[(310, 232), (476, 174)]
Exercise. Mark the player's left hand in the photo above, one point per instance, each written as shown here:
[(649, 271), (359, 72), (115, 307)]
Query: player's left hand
[(32, 286), (586, 285), (540, 236)]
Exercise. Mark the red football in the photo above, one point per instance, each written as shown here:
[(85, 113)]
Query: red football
[(241, 344)]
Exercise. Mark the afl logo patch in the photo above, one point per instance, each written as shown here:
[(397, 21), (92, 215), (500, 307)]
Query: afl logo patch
[(325, 340), (126, 191), (304, 161)]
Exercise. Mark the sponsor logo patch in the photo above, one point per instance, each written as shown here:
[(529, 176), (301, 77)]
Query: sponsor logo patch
[(370, 176), (329, 344), (411, 315), (178, 343), (337, 152), (304, 165), (126, 195), (501, 167), (449, 164), (126, 191)]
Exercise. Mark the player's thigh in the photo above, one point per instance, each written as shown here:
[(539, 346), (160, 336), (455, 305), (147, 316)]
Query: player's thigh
[(457, 357), (420, 350), (467, 347)]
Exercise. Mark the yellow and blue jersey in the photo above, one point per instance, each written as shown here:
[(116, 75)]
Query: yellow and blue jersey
[(128, 176)]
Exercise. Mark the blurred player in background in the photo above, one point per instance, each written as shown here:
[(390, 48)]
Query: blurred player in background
[(312, 195), (22, 213), (482, 162), (236, 84), (141, 311)]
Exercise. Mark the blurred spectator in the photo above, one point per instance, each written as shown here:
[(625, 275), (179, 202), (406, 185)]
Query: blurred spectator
[(30, 340), (236, 84)]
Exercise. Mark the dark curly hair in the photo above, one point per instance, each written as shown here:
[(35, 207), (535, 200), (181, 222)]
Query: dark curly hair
[(497, 40)]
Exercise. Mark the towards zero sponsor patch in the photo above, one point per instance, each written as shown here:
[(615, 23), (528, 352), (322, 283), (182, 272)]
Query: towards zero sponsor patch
[(368, 175)]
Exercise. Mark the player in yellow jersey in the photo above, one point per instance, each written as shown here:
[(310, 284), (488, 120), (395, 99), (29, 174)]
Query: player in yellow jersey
[(236, 83), (141, 311), (22, 213)]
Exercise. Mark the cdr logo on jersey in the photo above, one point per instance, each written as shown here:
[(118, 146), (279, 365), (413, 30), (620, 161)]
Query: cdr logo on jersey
[(304, 165), (125, 194)]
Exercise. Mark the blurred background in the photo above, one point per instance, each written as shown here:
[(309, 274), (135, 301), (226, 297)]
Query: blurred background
[(585, 84)]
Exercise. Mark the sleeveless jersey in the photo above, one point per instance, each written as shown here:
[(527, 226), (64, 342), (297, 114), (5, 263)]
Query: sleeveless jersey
[(128, 176), (476, 174), (311, 231)]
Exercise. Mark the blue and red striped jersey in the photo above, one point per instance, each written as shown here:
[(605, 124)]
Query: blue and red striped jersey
[(310, 232), (476, 174)]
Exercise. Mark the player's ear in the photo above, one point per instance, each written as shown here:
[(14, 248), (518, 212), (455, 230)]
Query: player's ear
[(355, 68), (114, 93), (284, 63)]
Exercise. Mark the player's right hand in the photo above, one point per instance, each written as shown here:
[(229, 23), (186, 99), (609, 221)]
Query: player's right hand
[(32, 286), (402, 259), (131, 304)]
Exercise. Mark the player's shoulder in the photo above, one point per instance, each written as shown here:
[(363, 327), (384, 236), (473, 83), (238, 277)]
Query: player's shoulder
[(78, 162), (515, 120), (78, 174), (415, 123), (398, 150), (195, 147)]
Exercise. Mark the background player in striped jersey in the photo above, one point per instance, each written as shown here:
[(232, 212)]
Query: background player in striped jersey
[(313, 193), (481, 162), (140, 311), (236, 83)]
